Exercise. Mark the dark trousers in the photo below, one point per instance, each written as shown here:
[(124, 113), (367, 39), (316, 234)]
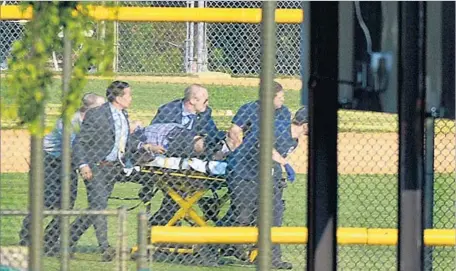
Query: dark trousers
[(244, 207), (99, 189), (52, 201)]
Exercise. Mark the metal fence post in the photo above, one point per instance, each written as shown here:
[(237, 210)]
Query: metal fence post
[(115, 60), (36, 183), (323, 106), (411, 135), (141, 260), (66, 152), (191, 40), (305, 51), (200, 41), (429, 184), (268, 32), (122, 241)]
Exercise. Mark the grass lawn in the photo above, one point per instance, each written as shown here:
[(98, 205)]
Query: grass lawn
[(364, 201), (147, 97)]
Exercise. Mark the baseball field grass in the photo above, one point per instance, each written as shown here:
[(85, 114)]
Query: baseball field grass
[(365, 200), (224, 100)]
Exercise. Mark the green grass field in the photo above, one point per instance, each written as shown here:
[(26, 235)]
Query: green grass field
[(364, 201), (147, 97)]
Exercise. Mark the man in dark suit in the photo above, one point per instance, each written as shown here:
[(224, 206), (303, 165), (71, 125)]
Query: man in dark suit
[(99, 154), (194, 113)]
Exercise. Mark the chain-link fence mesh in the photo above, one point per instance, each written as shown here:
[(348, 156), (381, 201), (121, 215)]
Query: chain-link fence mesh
[(175, 48), (218, 185)]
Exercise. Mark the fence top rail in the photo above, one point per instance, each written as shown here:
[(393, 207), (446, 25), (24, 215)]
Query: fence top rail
[(162, 14), (62, 212)]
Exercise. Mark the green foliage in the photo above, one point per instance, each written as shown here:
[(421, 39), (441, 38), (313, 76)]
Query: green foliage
[(30, 80), (164, 48)]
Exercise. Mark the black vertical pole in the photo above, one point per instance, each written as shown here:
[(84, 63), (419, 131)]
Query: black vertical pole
[(411, 135), (323, 105), (305, 52), (429, 184), (448, 49)]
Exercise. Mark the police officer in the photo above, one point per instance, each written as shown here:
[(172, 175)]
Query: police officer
[(243, 169), (285, 144)]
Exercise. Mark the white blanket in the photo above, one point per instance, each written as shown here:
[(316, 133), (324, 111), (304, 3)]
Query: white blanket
[(176, 163)]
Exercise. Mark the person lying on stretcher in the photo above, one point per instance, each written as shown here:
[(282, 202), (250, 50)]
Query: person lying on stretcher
[(174, 140)]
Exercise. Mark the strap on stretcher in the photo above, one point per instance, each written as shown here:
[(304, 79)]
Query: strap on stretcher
[(176, 174)]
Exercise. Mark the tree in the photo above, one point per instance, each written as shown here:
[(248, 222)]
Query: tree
[(29, 79)]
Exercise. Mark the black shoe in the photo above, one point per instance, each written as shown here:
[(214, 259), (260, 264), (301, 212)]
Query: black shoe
[(241, 254), (108, 255), (282, 265)]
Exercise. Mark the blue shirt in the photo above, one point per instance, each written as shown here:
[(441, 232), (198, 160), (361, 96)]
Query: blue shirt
[(157, 134), (52, 142), (188, 119), (243, 163), (121, 126)]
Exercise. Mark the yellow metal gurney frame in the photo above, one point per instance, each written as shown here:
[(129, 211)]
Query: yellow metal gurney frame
[(186, 203)]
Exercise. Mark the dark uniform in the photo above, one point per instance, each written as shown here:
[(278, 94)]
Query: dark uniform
[(243, 170)]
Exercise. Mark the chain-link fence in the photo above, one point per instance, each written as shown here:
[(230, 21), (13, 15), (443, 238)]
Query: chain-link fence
[(199, 166), (179, 48), (231, 48)]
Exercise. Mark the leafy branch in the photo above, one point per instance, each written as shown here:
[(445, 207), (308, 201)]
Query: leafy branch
[(30, 79)]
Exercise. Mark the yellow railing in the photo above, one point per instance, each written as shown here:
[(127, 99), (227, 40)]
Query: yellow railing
[(149, 14), (291, 235)]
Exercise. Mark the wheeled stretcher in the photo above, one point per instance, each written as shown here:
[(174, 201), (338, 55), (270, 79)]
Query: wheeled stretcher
[(191, 183), (188, 181)]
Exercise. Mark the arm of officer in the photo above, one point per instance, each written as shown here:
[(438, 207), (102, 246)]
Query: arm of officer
[(283, 141), (278, 158), (235, 135), (209, 128), (240, 120)]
